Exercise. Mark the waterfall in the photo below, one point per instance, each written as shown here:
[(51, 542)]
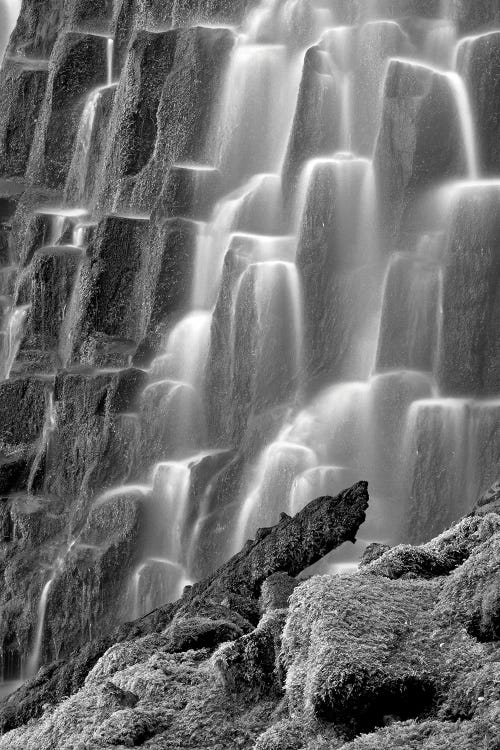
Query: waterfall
[(12, 339), (466, 123), (9, 13), (260, 298), (463, 110), (36, 654), (78, 172), (109, 61)]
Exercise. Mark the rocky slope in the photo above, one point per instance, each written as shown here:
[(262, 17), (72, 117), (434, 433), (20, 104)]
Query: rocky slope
[(401, 654), (88, 296)]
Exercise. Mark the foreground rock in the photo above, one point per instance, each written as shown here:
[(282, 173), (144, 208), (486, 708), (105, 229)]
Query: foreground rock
[(223, 607), (403, 653)]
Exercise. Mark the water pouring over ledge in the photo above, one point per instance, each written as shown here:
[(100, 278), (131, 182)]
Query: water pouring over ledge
[(9, 13), (308, 351)]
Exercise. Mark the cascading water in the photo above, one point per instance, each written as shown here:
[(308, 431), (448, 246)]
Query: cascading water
[(9, 13), (316, 343)]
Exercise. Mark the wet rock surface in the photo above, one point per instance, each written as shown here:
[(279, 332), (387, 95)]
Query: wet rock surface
[(78, 66), (483, 81), (315, 108), (24, 90), (417, 99), (210, 612), (168, 86), (111, 191), (470, 311), (315, 672)]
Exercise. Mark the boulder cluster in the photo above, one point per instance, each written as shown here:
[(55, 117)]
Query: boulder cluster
[(402, 653)]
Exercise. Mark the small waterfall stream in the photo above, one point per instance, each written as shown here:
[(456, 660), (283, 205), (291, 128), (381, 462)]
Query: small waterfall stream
[(9, 13), (312, 346)]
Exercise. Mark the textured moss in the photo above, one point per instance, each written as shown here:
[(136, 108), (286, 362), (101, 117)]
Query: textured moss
[(181, 705), (402, 655), (366, 650), (250, 665)]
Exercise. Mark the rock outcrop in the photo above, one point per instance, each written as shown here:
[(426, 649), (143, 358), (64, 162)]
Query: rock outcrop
[(417, 100), (483, 85), (231, 594), (191, 274), (470, 348), (403, 652)]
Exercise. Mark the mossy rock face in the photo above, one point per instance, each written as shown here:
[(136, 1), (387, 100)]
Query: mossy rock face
[(78, 65), (487, 622), (472, 593), (282, 736), (359, 700), (490, 501), (23, 89), (359, 659), (404, 653), (250, 665), (400, 655), (201, 632), (276, 591)]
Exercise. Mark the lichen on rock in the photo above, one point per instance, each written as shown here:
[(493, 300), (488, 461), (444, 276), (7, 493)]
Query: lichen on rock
[(403, 653)]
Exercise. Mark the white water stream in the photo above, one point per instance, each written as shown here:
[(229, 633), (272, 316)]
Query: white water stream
[(376, 413)]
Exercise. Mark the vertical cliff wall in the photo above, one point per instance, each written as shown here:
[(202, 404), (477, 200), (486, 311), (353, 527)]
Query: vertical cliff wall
[(248, 252)]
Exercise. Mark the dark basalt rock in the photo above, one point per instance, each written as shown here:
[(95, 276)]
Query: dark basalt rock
[(291, 546), (197, 632), (22, 411), (189, 191), (473, 16), (316, 125), (166, 14), (84, 171), (135, 123), (376, 43), (489, 502), (417, 100), (14, 471), (373, 552), (395, 8), (433, 444), (123, 698), (78, 65), (479, 62), (486, 622), (359, 701), (98, 565), (124, 396), (11, 192), (167, 88), (32, 521), (47, 288), (410, 315), (408, 562), (30, 227), (276, 591), (23, 91), (170, 266), (332, 274), (218, 11), (470, 347), (94, 14), (37, 28), (221, 416), (250, 665), (111, 307), (90, 441)]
